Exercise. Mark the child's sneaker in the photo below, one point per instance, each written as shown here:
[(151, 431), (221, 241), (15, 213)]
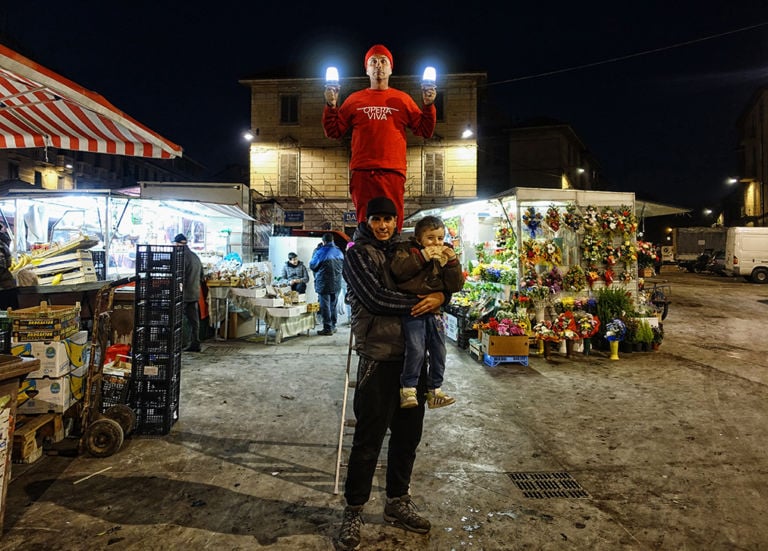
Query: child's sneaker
[(408, 397), (437, 399)]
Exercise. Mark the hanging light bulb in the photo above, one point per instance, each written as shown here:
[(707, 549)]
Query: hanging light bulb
[(467, 132)]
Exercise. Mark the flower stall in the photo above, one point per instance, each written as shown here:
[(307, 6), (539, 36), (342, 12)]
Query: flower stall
[(539, 247)]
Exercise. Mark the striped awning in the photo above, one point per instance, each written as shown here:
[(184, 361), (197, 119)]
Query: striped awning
[(39, 108)]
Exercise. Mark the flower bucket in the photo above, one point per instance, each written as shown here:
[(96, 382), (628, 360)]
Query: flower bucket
[(587, 346), (569, 348), (614, 345)]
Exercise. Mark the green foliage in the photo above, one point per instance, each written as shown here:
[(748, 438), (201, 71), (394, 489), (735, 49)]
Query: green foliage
[(644, 332), (612, 303)]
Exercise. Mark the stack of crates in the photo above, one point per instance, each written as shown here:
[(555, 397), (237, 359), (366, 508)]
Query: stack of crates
[(157, 338)]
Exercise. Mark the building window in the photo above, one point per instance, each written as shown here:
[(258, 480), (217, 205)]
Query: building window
[(13, 171), (434, 174), (439, 108), (289, 109), (289, 173)]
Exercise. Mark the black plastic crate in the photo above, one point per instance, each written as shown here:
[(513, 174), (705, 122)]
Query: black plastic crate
[(158, 312), (156, 404), (159, 258), (155, 367), (157, 339), (160, 287), (114, 390)]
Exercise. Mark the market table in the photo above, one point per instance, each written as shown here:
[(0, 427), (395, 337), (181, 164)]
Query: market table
[(67, 294), (288, 321), (220, 298)]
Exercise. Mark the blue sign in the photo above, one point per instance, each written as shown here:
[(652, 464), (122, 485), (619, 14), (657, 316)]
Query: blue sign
[(294, 216), (350, 216)]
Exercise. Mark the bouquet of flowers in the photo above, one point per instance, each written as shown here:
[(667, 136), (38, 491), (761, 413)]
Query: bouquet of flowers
[(591, 218), (628, 252), (504, 327), (612, 255), (532, 219), (627, 222), (564, 326), (565, 304), (551, 253), (574, 279), (608, 276), (625, 276), (531, 252), (543, 331), (553, 218), (572, 218), (609, 220), (539, 294), (554, 280), (592, 275), (592, 249), (615, 330), (646, 254), (587, 324), (522, 301)]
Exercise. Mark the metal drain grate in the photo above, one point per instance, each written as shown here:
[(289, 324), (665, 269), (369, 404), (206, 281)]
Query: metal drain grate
[(548, 485)]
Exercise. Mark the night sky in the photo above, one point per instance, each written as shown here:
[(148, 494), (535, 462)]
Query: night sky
[(654, 91)]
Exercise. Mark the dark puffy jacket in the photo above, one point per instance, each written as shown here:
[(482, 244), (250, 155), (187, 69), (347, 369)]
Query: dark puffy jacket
[(377, 308), (327, 263), (7, 281)]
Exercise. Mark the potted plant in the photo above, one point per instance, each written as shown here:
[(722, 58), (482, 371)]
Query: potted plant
[(615, 331), (658, 336), (612, 304), (644, 334)]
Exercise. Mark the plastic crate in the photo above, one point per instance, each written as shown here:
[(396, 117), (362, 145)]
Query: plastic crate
[(494, 361), (156, 404), (115, 390), (158, 287), (159, 259), (157, 339), (158, 312), (160, 367)]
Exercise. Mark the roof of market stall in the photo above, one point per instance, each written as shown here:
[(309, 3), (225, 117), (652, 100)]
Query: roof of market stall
[(643, 209), (40, 108)]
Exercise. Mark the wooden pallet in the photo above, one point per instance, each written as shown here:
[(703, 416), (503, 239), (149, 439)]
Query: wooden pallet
[(31, 431), (79, 275)]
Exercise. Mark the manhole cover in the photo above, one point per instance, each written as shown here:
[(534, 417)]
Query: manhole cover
[(548, 485)]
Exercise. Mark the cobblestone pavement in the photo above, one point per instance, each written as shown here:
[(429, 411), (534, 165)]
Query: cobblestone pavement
[(659, 450)]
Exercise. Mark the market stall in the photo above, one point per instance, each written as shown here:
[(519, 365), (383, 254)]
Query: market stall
[(538, 257)]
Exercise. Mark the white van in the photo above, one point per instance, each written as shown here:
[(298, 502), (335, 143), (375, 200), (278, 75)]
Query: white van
[(746, 253)]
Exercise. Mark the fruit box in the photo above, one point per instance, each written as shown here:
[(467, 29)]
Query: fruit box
[(498, 345)]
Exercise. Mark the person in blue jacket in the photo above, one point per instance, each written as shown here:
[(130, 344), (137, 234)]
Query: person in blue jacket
[(327, 264)]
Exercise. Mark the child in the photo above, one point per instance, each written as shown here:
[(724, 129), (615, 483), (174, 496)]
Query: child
[(425, 264)]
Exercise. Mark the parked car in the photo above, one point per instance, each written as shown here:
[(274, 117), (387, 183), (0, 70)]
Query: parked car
[(717, 263)]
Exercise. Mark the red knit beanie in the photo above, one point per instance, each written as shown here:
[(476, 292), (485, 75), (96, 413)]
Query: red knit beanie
[(378, 49)]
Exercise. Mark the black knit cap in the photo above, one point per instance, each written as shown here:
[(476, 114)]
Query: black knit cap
[(381, 205), (180, 238)]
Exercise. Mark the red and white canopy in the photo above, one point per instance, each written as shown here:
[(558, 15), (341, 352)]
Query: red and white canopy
[(39, 108)]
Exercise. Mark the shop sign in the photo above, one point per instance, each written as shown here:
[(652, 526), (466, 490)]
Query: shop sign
[(350, 216), (294, 216)]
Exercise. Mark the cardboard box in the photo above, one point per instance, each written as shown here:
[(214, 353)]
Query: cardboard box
[(57, 358), (497, 345), (47, 395), (269, 302), (77, 382), (237, 327)]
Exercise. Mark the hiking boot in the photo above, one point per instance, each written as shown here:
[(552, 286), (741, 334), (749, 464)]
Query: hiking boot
[(325, 332), (437, 399), (401, 512), (408, 397), (349, 535)]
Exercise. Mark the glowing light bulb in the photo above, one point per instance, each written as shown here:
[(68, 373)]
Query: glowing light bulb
[(331, 76)]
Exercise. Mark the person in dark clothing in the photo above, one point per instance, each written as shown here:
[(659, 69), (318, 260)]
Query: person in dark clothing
[(327, 263), (295, 274), (9, 292), (377, 311), (193, 281)]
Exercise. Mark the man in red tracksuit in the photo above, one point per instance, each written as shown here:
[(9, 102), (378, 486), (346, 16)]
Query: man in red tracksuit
[(378, 117)]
